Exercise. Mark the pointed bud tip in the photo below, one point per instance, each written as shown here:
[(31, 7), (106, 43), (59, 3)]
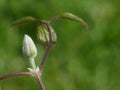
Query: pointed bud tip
[(26, 37)]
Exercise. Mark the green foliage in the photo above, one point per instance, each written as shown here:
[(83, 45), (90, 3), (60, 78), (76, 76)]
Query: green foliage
[(81, 60), (74, 18), (24, 20)]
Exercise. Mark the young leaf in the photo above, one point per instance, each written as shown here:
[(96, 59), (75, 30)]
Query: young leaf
[(74, 18), (24, 20)]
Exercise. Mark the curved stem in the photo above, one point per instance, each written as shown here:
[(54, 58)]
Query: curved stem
[(48, 48), (49, 44), (14, 74), (39, 80), (53, 18)]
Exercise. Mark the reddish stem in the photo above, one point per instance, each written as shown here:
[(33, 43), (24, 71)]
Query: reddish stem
[(14, 74), (48, 48), (39, 80), (54, 18)]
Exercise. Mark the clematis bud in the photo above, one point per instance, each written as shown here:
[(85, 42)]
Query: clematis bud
[(43, 35), (29, 48)]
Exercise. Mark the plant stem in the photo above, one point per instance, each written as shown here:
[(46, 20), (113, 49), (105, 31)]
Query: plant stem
[(48, 48), (14, 74), (53, 18), (32, 63), (39, 80)]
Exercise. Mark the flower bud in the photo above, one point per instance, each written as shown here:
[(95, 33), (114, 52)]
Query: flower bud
[(43, 35), (29, 48)]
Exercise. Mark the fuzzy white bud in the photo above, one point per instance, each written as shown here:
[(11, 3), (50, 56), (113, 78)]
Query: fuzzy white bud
[(29, 48)]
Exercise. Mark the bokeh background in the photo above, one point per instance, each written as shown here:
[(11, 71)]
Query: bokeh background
[(81, 60)]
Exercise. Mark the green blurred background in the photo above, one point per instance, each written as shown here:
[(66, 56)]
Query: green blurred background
[(81, 60)]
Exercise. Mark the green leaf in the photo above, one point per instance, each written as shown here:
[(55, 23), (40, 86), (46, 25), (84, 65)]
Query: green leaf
[(74, 18), (24, 20)]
